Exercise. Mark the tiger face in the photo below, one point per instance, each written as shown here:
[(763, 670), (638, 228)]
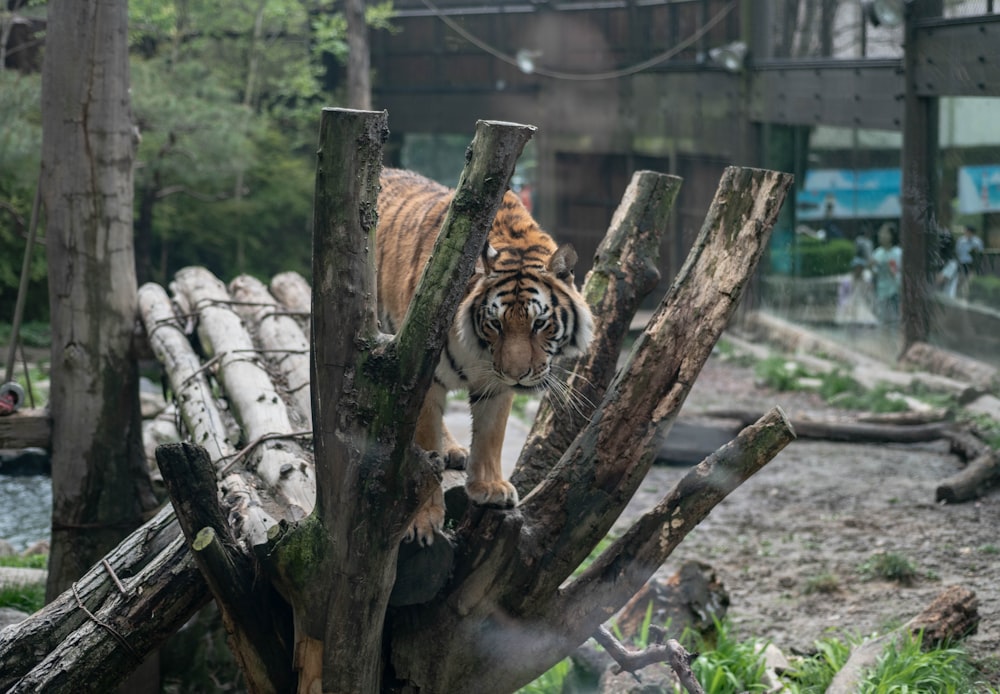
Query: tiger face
[(520, 316)]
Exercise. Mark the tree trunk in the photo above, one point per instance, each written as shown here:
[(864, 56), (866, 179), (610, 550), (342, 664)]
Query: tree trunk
[(359, 88), (100, 485)]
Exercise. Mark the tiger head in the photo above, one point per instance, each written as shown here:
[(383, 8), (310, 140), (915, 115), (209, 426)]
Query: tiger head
[(521, 312)]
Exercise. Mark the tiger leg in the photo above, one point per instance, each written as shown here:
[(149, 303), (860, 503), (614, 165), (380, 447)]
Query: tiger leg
[(485, 483), (431, 436)]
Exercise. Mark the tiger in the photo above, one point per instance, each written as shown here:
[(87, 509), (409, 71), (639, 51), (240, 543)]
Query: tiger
[(521, 309)]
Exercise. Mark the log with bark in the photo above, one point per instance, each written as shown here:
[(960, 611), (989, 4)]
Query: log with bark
[(311, 548)]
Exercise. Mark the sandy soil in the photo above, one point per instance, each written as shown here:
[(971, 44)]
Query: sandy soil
[(821, 510)]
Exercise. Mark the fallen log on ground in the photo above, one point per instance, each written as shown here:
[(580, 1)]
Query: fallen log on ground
[(848, 431), (974, 480)]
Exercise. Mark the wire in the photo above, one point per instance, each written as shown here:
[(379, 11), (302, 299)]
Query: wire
[(584, 77)]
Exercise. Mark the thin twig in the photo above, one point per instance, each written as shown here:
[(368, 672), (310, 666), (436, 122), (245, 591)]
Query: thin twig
[(671, 652)]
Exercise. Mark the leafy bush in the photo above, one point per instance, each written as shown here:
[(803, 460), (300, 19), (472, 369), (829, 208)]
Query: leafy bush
[(815, 258), (985, 289)]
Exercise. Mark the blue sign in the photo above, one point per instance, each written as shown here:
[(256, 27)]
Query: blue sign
[(849, 194), (978, 189)]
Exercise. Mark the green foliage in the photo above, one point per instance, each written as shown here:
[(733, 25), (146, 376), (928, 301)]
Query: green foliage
[(32, 561), (26, 598), (227, 98), (780, 373), (985, 289), (731, 666), (815, 258), (551, 681), (20, 153), (813, 674), (905, 666), (881, 399), (31, 334), (836, 383), (889, 566)]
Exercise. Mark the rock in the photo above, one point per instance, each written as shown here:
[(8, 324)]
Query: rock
[(689, 598), (590, 661), (40, 547), (7, 549), (652, 679)]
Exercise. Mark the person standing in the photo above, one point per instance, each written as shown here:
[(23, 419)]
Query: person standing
[(887, 265), (968, 249)]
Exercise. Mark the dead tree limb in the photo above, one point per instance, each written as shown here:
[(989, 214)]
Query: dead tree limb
[(671, 652), (61, 648), (977, 478), (260, 638), (625, 272), (850, 431)]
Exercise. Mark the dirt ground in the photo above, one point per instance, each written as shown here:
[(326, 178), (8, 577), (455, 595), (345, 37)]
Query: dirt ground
[(819, 511)]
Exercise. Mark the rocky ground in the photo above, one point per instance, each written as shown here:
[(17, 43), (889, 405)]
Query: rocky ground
[(791, 543)]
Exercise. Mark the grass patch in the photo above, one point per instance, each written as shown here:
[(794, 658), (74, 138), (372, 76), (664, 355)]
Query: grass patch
[(813, 674), (33, 561), (730, 666), (26, 598), (906, 667), (824, 583), (889, 566), (780, 373), (551, 681)]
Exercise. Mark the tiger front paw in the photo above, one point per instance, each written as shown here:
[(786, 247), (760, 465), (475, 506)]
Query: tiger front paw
[(499, 493), (456, 457), (429, 519)]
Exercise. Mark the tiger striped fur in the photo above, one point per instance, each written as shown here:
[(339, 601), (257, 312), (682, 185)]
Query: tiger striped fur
[(521, 309)]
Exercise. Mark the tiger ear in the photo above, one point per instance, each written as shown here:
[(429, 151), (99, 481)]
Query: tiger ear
[(486, 261), (563, 261)]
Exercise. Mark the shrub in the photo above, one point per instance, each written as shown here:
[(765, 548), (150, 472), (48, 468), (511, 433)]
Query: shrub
[(985, 289), (815, 258)]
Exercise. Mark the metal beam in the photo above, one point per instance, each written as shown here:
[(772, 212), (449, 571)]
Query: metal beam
[(957, 57), (845, 93)]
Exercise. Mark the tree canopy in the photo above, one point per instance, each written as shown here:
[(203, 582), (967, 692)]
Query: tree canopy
[(224, 98)]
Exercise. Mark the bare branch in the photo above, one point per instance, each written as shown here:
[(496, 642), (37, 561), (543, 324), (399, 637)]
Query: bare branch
[(671, 652)]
